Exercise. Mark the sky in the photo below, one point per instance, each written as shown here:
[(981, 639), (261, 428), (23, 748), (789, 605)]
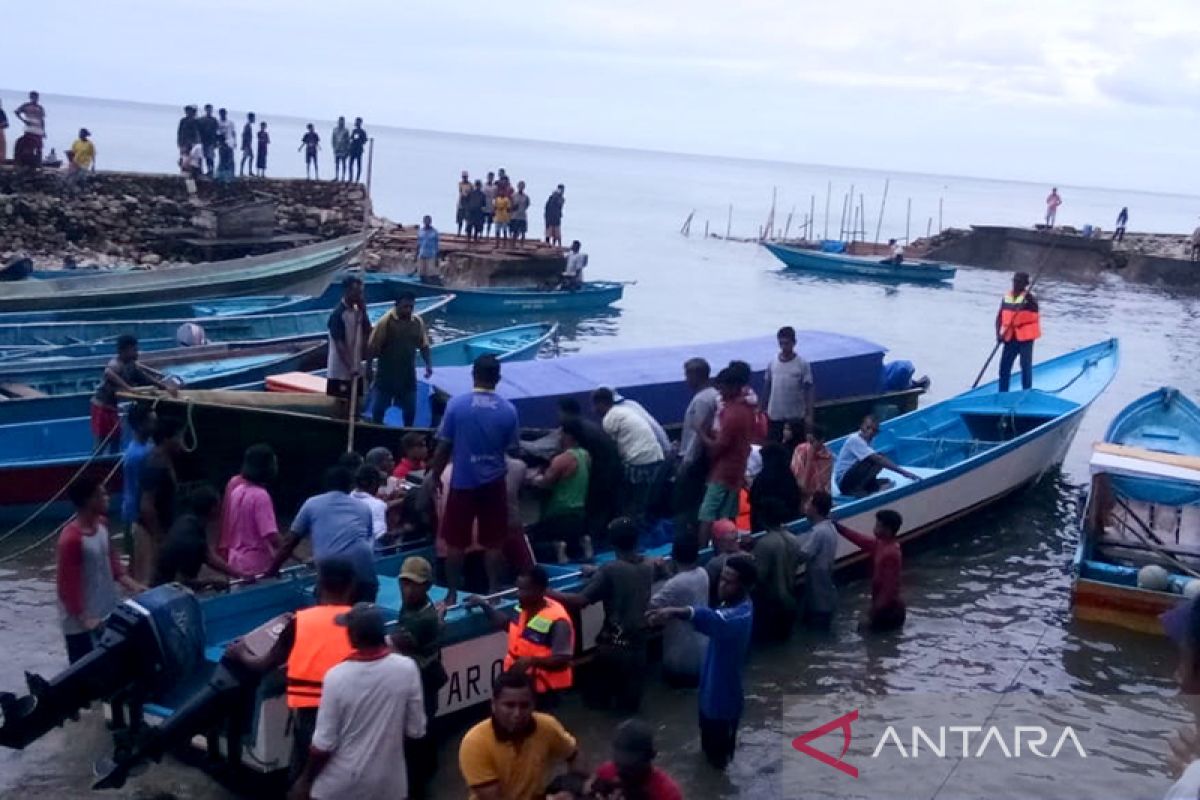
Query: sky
[(1077, 92)]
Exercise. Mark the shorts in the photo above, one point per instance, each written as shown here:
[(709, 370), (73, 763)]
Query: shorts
[(501, 227), (341, 389), (106, 421), (720, 502), (518, 227), (310, 157), (460, 215), (486, 506)]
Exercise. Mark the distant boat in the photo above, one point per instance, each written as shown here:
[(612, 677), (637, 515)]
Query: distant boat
[(1143, 510), (286, 324), (503, 300), (859, 266), (300, 270)]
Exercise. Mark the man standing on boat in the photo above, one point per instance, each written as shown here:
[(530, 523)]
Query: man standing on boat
[(349, 332), (1053, 201), (123, 373), (788, 393), (395, 341), (1018, 326)]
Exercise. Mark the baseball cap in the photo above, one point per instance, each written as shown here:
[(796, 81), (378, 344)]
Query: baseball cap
[(417, 570), (724, 527), (364, 621), (1182, 623)]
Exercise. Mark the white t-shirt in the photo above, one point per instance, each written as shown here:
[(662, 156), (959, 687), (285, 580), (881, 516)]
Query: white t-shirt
[(575, 264), (635, 439), (378, 510), (854, 450), (367, 709), (788, 381)]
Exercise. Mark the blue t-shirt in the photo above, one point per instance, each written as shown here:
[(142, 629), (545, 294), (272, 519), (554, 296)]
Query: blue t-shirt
[(481, 426), (131, 489), (854, 450), (728, 631), (340, 526), (427, 243)]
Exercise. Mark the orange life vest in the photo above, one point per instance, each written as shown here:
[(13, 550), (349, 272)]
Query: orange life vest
[(1018, 322), (529, 637), (320, 644)]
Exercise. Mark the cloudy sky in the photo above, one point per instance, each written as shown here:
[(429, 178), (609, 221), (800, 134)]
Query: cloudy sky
[(1082, 92)]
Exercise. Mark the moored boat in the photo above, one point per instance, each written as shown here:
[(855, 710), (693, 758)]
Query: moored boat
[(860, 266), (1139, 543), (216, 307), (302, 270), (591, 296)]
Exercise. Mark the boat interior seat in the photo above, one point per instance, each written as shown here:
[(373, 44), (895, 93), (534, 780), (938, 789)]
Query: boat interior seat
[(895, 477)]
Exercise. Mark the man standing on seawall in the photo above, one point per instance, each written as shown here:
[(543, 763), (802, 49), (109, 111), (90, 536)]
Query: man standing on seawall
[(358, 143), (208, 127), (1018, 326), (247, 145)]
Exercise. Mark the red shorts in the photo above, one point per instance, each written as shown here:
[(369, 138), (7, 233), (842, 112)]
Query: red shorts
[(105, 420), (487, 505)]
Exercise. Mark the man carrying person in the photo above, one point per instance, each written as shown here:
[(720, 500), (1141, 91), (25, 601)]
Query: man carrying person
[(88, 569), (606, 471), (788, 391), (427, 250), (395, 341), (340, 142), (641, 454), (340, 527), (888, 611), (507, 756), (857, 466), (476, 431), (349, 334), (541, 640), (1018, 326), (728, 629), (728, 449), (358, 143)]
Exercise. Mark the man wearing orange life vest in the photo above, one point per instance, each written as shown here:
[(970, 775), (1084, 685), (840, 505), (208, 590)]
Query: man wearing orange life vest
[(541, 640), (1018, 325)]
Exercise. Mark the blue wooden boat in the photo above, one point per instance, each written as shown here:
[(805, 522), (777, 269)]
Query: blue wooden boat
[(859, 266), (37, 459), (1142, 511), (289, 325), (218, 307), (502, 300), (300, 270)]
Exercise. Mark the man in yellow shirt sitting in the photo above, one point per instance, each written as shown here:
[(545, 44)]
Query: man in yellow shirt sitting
[(506, 757)]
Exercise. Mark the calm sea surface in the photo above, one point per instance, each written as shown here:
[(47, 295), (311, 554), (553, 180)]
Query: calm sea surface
[(988, 603)]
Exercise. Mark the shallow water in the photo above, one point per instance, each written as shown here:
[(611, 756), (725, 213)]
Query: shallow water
[(988, 599)]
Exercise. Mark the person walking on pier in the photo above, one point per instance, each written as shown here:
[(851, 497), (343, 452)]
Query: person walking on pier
[(88, 569), (247, 145), (1053, 201), (358, 144), (395, 340), (339, 140), (310, 143), (1122, 221), (728, 629), (264, 142), (1018, 326)]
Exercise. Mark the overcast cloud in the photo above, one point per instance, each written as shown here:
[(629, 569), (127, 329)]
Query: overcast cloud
[(1091, 92)]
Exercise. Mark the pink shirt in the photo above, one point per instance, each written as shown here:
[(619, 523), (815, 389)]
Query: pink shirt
[(249, 521)]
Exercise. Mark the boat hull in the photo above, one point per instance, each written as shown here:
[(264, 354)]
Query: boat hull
[(1125, 607), (836, 264), (493, 301)]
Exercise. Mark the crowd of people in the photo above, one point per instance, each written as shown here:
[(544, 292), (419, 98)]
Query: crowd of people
[(612, 479), (493, 208)]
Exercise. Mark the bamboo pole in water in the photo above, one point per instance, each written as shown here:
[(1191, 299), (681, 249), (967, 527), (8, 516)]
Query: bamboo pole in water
[(908, 221), (940, 228), (862, 218), (788, 225), (882, 205), (729, 221), (812, 212), (842, 224), (828, 192)]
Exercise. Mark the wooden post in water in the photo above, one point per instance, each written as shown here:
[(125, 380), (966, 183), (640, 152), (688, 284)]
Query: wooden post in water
[(842, 224), (787, 227), (812, 211), (729, 221), (705, 229), (940, 228), (882, 205), (828, 192), (862, 218), (929, 228), (907, 221)]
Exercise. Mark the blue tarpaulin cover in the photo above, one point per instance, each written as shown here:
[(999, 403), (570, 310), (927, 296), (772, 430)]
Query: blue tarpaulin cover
[(843, 367)]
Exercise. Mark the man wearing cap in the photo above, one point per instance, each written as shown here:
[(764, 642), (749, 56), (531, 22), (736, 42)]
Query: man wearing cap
[(632, 766), (372, 702), (418, 631)]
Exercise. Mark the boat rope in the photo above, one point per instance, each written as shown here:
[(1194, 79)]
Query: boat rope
[(1146, 536), (1087, 365), (62, 489), (54, 533), (189, 425)]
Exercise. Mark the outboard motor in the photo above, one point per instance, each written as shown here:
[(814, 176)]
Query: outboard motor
[(151, 642)]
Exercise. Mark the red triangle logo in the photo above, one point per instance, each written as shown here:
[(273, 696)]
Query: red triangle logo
[(843, 723)]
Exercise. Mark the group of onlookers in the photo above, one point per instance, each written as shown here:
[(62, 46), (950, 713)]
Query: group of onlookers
[(482, 206)]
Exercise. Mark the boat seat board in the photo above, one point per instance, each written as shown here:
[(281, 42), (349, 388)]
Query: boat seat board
[(296, 382), (19, 390), (1172, 459)]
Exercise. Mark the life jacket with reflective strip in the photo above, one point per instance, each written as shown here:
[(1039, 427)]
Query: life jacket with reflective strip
[(529, 637), (1018, 322), (320, 644)]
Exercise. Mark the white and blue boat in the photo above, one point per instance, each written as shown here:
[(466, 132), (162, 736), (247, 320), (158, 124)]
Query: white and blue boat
[(915, 271), (489, 301), (1139, 543)]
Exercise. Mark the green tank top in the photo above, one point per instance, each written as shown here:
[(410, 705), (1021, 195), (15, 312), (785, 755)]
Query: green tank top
[(570, 494)]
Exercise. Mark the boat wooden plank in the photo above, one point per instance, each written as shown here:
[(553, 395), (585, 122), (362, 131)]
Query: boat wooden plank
[(1172, 459)]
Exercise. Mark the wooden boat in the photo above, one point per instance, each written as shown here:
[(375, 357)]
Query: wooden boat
[(847, 372), (503, 300), (1143, 509), (288, 324), (188, 309), (38, 459), (859, 266), (64, 391), (301, 270)]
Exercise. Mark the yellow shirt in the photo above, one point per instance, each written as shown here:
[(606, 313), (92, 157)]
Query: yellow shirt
[(85, 153), (501, 209), (519, 768)]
